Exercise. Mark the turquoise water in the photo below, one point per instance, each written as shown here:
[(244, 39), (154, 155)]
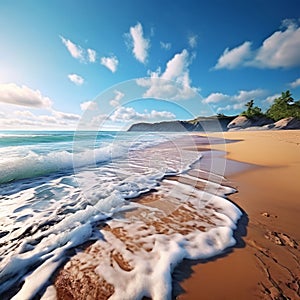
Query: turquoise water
[(56, 186), (29, 154)]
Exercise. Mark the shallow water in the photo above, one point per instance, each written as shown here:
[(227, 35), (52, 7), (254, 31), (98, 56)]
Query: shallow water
[(55, 191)]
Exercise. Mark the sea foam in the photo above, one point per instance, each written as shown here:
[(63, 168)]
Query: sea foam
[(42, 218)]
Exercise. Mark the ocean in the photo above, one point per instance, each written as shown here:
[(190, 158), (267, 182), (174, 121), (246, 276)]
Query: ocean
[(59, 188)]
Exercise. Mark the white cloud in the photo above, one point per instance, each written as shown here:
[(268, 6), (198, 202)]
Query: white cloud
[(65, 116), (127, 114), (177, 67), (279, 50), (75, 50), (23, 95), (174, 83), (233, 102), (139, 44), (24, 114), (271, 99), (89, 105), (78, 80), (116, 100), (193, 40), (91, 55), (110, 62), (230, 59), (245, 96), (295, 83), (166, 46), (216, 98), (225, 108), (25, 119)]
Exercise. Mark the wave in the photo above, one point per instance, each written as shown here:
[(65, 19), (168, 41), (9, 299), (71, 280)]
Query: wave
[(35, 165), (18, 161)]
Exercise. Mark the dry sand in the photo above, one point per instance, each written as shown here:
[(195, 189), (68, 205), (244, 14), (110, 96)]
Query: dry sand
[(265, 263)]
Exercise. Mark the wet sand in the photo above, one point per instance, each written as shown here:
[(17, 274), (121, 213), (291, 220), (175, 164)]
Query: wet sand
[(265, 262)]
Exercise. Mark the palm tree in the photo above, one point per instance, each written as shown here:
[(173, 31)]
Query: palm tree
[(249, 105), (287, 97)]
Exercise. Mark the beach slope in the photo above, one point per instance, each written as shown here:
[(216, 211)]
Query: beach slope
[(265, 263)]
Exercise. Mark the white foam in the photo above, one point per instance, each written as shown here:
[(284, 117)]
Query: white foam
[(44, 219), (151, 271)]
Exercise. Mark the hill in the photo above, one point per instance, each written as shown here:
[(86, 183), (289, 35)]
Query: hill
[(213, 123)]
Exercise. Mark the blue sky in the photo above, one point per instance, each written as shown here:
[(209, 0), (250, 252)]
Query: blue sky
[(56, 57)]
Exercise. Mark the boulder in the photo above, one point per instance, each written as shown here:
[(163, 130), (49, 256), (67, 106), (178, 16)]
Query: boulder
[(239, 122), (287, 123), (242, 122)]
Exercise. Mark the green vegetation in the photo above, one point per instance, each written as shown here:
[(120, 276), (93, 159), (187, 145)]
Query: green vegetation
[(283, 107), (252, 111)]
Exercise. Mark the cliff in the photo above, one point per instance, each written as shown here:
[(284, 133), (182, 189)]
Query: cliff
[(214, 123), (262, 123)]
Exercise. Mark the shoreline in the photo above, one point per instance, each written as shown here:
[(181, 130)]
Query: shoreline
[(264, 264)]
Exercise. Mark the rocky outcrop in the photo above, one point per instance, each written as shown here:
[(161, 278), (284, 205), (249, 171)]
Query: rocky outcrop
[(218, 123), (206, 124), (262, 123), (286, 123), (242, 122)]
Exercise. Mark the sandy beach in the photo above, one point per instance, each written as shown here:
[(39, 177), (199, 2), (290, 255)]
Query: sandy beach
[(265, 262)]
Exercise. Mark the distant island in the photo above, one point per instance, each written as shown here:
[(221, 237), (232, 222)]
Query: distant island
[(284, 113)]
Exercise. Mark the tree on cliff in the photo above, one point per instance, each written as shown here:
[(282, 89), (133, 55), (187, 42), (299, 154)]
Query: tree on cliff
[(251, 111), (284, 107)]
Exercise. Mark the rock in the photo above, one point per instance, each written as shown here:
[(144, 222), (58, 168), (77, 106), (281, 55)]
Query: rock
[(210, 124), (287, 123), (239, 122), (265, 214), (287, 240), (282, 239), (242, 122), (273, 237)]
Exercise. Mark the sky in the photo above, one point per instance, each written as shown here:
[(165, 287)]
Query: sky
[(104, 65)]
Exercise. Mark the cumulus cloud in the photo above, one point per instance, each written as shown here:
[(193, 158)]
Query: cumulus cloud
[(116, 100), (233, 102), (193, 39), (25, 119), (110, 63), (140, 45), (91, 55), (270, 99), (215, 98), (79, 53), (174, 83), (23, 95), (166, 46), (295, 83), (24, 114), (127, 114), (75, 50), (245, 96), (279, 50), (177, 67), (230, 59), (88, 105), (65, 116), (78, 80)]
